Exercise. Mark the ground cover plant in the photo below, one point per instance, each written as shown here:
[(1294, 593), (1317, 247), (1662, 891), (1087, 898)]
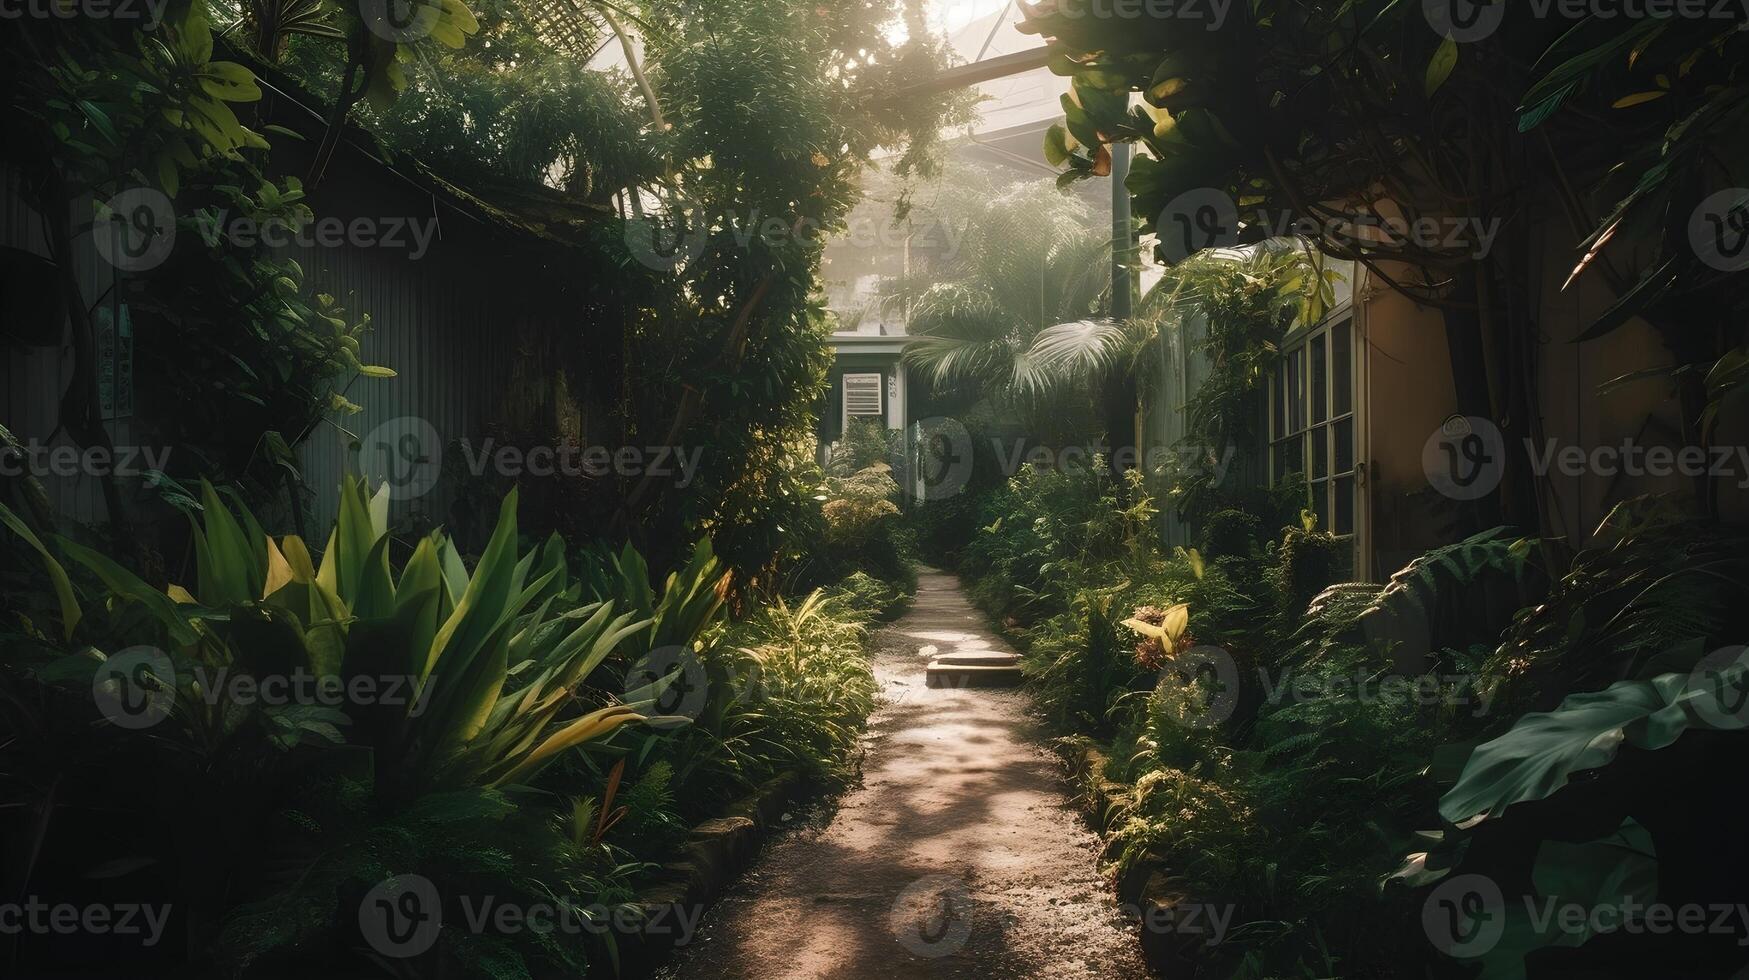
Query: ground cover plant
[(550, 725)]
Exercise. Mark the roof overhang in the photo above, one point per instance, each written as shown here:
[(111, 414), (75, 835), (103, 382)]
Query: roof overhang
[(868, 344)]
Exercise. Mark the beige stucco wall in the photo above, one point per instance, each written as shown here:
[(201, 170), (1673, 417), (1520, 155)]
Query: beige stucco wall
[(1409, 393)]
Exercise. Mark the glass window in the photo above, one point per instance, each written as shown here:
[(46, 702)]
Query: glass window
[(1344, 506), (1312, 422), (1342, 368)]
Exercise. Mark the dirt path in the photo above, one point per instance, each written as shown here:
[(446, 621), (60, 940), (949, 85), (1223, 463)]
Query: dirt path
[(959, 854)]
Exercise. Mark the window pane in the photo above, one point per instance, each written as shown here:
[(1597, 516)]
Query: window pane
[(1342, 369), (1320, 394), (1279, 387), (1344, 505), (1321, 451), (1345, 445), (1321, 502), (1293, 457), (1296, 390)]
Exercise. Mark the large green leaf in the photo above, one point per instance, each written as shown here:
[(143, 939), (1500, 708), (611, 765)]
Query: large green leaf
[(1544, 749), (70, 612), (129, 586)]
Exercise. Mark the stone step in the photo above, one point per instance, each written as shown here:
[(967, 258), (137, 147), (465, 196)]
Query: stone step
[(958, 675), (979, 658)]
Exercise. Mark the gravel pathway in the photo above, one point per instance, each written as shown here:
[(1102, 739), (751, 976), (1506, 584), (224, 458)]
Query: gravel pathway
[(958, 855)]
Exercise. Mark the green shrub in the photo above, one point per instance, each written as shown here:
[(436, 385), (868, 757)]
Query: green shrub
[(1230, 533), (1306, 563)]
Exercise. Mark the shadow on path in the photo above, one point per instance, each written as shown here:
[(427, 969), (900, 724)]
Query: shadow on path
[(958, 855)]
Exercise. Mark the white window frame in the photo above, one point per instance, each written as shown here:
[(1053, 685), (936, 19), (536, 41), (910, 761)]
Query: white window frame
[(875, 380), (1298, 346)]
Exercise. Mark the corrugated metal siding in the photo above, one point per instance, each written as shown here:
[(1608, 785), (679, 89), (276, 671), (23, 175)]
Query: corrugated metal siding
[(35, 376), (444, 329), (448, 323), (1180, 367)]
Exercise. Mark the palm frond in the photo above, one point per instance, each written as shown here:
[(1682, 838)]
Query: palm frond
[(1073, 353)]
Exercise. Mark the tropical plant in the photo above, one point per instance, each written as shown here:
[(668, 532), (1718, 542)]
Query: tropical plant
[(1017, 308), (453, 638), (1532, 791), (1655, 585)]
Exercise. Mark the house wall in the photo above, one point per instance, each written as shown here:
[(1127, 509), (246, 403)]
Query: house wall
[(36, 374), (454, 324), (1409, 394), (831, 426), (1406, 393)]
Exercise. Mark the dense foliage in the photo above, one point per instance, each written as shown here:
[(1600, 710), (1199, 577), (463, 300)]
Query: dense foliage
[(547, 724)]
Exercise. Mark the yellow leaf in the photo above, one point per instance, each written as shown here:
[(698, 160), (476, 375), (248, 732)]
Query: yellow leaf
[(297, 556), (1440, 68), (1638, 98), (1167, 89), (1146, 628), (1177, 621), (279, 571)]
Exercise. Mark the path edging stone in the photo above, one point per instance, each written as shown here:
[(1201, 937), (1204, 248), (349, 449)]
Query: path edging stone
[(716, 853), (1147, 891)]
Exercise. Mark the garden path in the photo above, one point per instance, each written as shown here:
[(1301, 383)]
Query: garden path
[(957, 855)]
